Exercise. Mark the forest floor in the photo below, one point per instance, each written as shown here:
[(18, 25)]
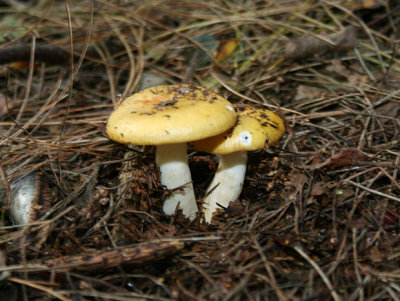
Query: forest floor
[(318, 217)]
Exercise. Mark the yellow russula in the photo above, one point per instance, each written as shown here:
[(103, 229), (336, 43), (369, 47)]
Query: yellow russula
[(170, 116), (255, 128)]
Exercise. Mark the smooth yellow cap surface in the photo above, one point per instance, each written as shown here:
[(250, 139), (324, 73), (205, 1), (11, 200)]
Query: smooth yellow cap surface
[(255, 128), (170, 114)]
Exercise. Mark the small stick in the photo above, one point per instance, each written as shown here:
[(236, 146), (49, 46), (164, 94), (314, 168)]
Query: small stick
[(43, 53), (105, 259), (139, 253)]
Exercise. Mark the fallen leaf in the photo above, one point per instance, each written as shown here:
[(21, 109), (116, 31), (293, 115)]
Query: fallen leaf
[(226, 48), (308, 46), (353, 78), (346, 157), (308, 92), (390, 109), (319, 189)]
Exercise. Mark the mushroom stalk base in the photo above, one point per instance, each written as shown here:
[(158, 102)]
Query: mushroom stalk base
[(24, 199), (175, 173), (227, 183)]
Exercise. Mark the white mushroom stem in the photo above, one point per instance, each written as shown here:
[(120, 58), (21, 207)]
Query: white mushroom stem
[(227, 183), (175, 173), (23, 198)]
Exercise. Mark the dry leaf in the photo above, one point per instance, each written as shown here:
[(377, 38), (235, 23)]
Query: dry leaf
[(390, 109), (346, 157), (308, 46), (353, 78), (319, 189), (307, 92), (226, 48)]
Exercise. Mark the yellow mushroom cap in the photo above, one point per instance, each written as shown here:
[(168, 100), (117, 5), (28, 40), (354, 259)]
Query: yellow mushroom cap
[(170, 114), (255, 128)]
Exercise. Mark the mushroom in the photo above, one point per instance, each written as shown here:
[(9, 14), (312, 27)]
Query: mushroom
[(169, 117), (24, 199), (255, 128), (28, 198)]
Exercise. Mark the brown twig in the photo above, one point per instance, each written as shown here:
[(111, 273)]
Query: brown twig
[(104, 259), (43, 53)]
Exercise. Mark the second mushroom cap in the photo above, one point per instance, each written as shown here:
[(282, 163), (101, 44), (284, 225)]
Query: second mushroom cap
[(255, 128)]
